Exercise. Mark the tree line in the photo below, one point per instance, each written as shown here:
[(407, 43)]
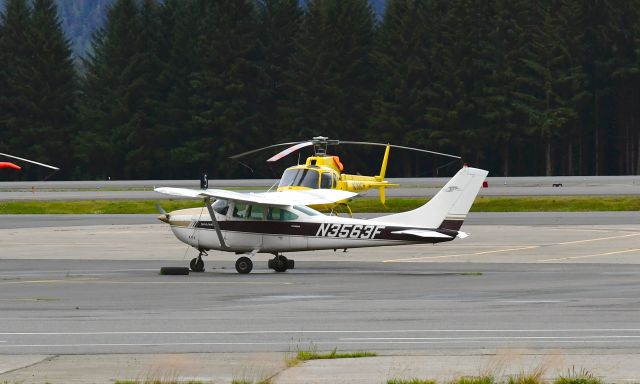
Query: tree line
[(171, 89)]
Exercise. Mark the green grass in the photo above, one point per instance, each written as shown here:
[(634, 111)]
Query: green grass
[(312, 353), (93, 206), (474, 380), (157, 381), (410, 381), (582, 376), (482, 204)]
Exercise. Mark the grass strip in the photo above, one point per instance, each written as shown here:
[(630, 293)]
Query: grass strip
[(365, 205)]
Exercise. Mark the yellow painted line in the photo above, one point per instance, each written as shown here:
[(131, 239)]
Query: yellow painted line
[(588, 256), (413, 259), (599, 239)]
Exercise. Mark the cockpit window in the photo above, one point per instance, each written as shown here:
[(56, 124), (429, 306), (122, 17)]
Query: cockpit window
[(325, 180), (241, 210), (245, 211), (279, 214), (300, 178), (221, 207)]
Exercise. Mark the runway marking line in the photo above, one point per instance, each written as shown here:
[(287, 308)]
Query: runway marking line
[(589, 256), (598, 239), (413, 259), (97, 281), (332, 342), (489, 338), (417, 259), (102, 333)]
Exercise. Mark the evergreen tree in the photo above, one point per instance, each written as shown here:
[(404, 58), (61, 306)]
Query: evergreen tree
[(106, 103), (404, 60), (331, 81), (15, 75), (38, 96), (225, 84), (550, 78), (280, 23), (53, 86)]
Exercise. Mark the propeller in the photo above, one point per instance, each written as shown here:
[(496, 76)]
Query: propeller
[(320, 144)]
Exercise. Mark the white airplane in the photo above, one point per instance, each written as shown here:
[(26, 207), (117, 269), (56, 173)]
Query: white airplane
[(276, 222)]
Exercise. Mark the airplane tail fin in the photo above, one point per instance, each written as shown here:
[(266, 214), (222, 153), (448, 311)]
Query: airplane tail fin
[(449, 207)]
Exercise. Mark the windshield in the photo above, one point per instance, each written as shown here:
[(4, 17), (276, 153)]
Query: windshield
[(300, 178)]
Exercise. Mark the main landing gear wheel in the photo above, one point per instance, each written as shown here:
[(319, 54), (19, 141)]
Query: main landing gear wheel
[(244, 265), (197, 264), (281, 263)]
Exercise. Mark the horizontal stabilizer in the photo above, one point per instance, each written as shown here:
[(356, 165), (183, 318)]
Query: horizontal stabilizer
[(422, 233)]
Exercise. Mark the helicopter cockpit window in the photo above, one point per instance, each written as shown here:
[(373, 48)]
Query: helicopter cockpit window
[(221, 207), (325, 180), (300, 178), (279, 214)]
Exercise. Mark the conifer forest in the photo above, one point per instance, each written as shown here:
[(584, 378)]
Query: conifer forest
[(172, 88)]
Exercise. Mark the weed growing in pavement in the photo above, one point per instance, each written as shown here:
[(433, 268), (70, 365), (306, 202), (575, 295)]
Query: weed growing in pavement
[(582, 376)]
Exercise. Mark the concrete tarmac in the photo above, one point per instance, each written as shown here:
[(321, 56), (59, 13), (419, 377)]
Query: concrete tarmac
[(517, 295)]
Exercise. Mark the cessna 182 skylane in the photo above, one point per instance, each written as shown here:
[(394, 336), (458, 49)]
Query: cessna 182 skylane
[(276, 222)]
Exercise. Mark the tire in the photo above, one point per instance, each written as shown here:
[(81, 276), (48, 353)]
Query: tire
[(291, 264), (174, 271), (197, 265), (280, 264), (244, 265)]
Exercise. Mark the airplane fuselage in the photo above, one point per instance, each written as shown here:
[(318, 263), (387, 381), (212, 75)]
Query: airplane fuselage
[(307, 233)]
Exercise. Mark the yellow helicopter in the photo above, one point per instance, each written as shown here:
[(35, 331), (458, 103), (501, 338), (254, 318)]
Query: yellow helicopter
[(324, 171)]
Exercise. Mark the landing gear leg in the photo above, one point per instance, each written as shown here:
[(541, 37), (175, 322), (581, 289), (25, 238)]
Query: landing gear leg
[(280, 263), (197, 264)]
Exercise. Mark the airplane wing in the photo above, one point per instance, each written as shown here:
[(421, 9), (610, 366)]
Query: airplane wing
[(283, 199), (422, 233)]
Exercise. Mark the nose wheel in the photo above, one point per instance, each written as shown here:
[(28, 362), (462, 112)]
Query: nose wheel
[(197, 264)]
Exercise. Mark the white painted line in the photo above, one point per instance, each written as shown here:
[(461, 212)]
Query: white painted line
[(531, 301), (598, 239), (414, 259), (343, 342), (266, 332), (497, 338), (94, 280), (589, 256)]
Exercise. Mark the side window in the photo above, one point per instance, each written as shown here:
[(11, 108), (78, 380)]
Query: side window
[(221, 206), (256, 212), (279, 214), (325, 180), (240, 210)]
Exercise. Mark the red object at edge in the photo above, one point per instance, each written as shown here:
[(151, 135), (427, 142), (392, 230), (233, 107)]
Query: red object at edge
[(4, 164)]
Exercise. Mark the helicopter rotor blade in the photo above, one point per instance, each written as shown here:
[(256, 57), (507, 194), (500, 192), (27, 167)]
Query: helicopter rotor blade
[(289, 150), (31, 161), (401, 147), (263, 148)]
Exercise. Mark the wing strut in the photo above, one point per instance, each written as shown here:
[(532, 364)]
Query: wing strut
[(223, 245)]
